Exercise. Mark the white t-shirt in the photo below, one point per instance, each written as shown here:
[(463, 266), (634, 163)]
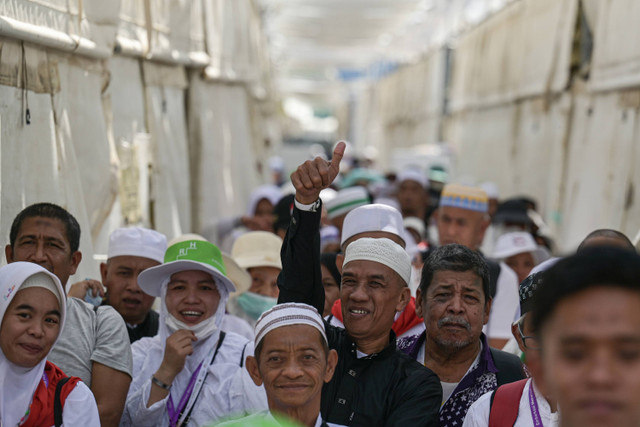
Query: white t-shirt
[(504, 305), (478, 414)]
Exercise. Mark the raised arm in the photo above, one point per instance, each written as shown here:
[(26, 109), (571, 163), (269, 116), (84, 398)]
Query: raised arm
[(301, 279)]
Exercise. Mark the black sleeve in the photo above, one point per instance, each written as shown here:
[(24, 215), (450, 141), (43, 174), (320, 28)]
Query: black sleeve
[(419, 402), (301, 278)]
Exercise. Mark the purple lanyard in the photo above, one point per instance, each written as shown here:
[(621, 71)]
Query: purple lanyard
[(174, 413), (533, 404)]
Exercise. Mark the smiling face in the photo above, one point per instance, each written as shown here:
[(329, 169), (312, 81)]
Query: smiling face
[(30, 326), (371, 295), (293, 364), (192, 296), (591, 357), (120, 277), (453, 308), (43, 241)]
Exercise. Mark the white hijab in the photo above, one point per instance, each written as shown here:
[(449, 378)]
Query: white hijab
[(18, 384), (203, 349)]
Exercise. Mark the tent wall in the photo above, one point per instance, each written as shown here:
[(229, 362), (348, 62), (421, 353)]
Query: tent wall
[(124, 110), (528, 108)]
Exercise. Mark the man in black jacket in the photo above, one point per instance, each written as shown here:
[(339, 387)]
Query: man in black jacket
[(374, 385)]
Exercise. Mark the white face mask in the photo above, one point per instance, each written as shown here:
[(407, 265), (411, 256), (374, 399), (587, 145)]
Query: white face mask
[(202, 330)]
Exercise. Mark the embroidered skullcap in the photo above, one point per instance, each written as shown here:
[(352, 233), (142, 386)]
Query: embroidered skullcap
[(137, 241), (464, 197), (346, 200), (287, 314), (415, 175), (383, 251), (375, 217)]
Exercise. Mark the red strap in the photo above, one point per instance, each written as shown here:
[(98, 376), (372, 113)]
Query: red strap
[(407, 320), (41, 411), (504, 409)]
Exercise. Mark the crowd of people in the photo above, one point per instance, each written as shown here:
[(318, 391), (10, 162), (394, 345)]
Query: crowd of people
[(346, 301)]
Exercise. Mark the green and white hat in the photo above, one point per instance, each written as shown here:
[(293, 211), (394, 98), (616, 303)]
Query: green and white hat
[(347, 200), (183, 256)]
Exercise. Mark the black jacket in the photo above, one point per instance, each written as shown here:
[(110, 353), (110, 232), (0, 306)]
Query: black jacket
[(384, 389)]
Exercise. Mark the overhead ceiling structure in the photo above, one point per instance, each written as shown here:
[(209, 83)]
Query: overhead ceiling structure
[(318, 46)]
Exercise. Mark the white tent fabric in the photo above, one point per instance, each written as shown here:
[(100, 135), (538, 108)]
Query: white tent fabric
[(84, 27), (222, 150), (523, 50), (616, 59), (109, 135), (40, 160)]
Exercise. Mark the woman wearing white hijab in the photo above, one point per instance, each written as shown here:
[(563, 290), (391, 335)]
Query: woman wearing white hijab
[(191, 373), (32, 309)]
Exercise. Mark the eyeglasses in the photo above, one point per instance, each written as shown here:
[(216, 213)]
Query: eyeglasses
[(529, 342)]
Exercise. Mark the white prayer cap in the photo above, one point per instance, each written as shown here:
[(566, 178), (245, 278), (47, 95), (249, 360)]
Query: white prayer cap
[(413, 175), (287, 314), (257, 249), (491, 189), (383, 251), (137, 241), (375, 217), (346, 200)]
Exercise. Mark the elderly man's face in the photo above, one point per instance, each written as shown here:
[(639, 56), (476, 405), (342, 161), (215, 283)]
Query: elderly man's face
[(43, 241), (454, 309), (462, 226), (120, 277), (371, 294), (293, 365), (591, 357)]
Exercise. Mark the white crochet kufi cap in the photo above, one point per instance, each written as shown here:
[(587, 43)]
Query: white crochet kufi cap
[(287, 314), (383, 251)]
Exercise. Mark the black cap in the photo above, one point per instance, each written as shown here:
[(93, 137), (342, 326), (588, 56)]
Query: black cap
[(512, 211), (528, 289)]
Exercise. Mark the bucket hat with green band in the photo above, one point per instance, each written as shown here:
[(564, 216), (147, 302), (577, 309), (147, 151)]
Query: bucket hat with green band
[(183, 256)]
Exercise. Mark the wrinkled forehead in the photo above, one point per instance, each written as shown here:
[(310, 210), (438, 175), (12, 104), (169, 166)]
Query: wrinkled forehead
[(361, 268), (462, 280)]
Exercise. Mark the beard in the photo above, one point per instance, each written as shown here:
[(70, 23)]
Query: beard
[(454, 343)]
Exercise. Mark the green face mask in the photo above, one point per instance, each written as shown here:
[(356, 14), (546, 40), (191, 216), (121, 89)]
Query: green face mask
[(255, 304)]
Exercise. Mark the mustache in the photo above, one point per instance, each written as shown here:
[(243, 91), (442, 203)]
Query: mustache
[(456, 320)]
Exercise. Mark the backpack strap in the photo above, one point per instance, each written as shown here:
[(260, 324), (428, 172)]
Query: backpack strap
[(57, 404), (509, 366), (505, 401)]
